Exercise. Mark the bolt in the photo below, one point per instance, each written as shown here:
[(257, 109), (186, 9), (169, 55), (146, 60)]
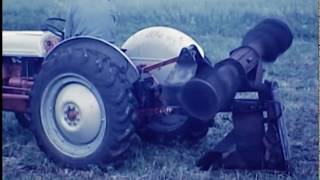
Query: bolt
[(249, 59)]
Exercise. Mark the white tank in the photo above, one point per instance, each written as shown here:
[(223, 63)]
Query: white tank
[(154, 44)]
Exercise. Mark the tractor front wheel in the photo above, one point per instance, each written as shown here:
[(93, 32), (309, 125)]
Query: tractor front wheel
[(23, 119)]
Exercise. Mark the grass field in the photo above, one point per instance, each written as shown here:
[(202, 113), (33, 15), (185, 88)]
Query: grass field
[(218, 26)]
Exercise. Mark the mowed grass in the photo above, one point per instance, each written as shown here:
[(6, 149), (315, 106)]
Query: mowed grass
[(218, 26)]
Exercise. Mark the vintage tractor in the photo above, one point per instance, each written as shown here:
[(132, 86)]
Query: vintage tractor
[(85, 98)]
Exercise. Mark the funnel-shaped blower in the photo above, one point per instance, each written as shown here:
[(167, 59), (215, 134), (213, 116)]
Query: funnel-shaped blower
[(213, 88)]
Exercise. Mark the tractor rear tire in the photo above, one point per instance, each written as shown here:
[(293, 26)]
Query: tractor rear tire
[(82, 111)]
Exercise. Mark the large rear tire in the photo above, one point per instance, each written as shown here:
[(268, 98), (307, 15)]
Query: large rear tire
[(82, 111), (181, 128)]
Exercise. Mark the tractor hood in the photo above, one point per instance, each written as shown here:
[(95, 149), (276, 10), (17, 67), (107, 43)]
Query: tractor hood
[(23, 43)]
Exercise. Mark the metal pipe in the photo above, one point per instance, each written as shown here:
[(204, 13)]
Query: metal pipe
[(15, 96), (159, 65), (15, 88)]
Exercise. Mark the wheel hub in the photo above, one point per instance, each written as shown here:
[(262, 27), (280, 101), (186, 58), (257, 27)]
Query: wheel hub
[(71, 114), (78, 114)]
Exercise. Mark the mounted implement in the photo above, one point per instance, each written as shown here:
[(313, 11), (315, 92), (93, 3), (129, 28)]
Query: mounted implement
[(259, 138)]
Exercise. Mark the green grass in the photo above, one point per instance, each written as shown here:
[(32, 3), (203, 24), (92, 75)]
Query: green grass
[(218, 26)]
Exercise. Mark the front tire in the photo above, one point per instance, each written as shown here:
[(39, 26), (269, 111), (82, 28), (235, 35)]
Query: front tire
[(23, 119), (82, 112)]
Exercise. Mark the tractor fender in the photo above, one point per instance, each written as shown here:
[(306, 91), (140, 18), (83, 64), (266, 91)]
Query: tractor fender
[(109, 51), (155, 44)]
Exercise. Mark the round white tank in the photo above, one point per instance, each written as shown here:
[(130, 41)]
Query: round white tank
[(154, 44)]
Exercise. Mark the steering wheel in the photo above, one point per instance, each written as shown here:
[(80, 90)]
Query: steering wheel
[(55, 25)]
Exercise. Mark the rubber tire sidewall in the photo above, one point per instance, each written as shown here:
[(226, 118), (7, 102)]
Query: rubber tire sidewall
[(118, 109)]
